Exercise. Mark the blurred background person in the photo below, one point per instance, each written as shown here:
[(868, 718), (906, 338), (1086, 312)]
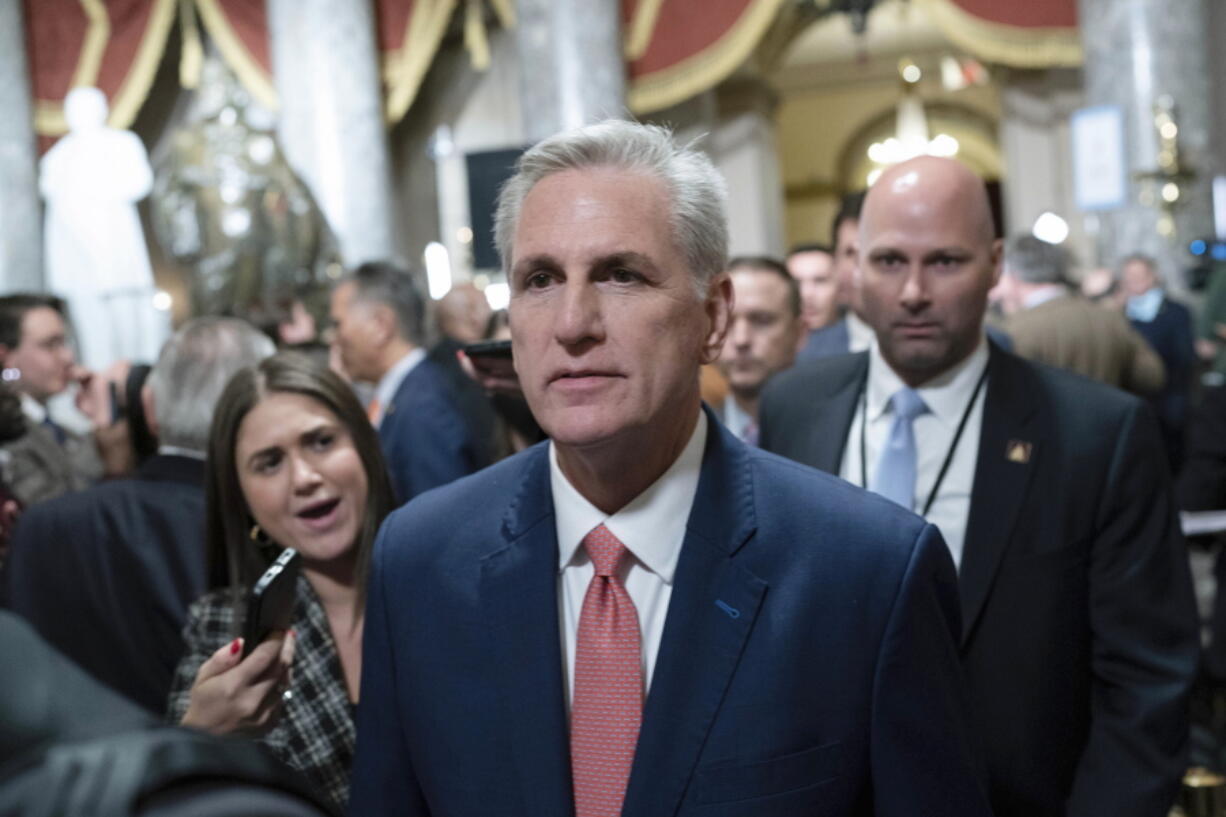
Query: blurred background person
[(1167, 325), (127, 556), (12, 426), (292, 462), (379, 323), (463, 316), (766, 332), (844, 238), (812, 265), (1050, 323), (37, 359)]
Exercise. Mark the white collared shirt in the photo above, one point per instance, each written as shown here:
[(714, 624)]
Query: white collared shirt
[(392, 378), (34, 411), (735, 418), (946, 397), (860, 335), (652, 527)]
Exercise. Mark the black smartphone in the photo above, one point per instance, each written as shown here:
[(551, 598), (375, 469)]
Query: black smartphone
[(489, 348), (116, 408), (270, 604)]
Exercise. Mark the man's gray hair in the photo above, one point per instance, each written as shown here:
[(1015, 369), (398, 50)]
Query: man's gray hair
[(1149, 261), (380, 282), (194, 367), (1035, 261), (698, 193)]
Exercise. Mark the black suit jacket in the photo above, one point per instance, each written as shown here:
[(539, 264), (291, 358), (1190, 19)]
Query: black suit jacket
[(106, 575), (1079, 628)]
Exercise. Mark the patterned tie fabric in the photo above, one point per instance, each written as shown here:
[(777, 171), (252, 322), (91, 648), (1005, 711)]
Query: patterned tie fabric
[(608, 704), (895, 476)]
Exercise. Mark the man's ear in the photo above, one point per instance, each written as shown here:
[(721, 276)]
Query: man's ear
[(382, 323), (149, 406), (998, 260), (718, 306)]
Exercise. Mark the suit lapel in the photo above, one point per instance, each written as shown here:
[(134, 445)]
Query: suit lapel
[(1009, 450), (519, 599), (832, 417), (711, 613)]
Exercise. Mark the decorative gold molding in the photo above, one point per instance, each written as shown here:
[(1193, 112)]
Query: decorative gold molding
[(93, 49), (191, 60), (405, 68), (1016, 46), (642, 26), (253, 76), (135, 88), (505, 10), (704, 70), (125, 103), (475, 39)]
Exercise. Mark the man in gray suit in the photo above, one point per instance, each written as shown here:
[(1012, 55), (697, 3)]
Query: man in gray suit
[(38, 361)]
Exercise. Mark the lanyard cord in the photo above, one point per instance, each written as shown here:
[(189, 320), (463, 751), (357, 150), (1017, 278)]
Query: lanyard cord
[(949, 455)]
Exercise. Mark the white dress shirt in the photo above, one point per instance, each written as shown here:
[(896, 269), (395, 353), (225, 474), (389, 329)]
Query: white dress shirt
[(652, 527), (946, 397), (392, 378), (860, 335), (736, 418)]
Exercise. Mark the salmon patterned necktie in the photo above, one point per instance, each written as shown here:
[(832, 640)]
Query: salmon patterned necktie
[(608, 703)]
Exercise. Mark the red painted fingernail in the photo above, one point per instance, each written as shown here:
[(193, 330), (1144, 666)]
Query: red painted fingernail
[(235, 646)]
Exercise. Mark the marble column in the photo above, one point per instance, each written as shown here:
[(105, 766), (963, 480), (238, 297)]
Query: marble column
[(330, 119), (1138, 53), (572, 71), (1034, 139), (743, 147), (20, 217)]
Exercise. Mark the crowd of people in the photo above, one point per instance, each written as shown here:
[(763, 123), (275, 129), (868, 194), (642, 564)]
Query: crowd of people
[(888, 526)]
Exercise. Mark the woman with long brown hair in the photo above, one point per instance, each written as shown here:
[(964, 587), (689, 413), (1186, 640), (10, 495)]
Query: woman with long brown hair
[(292, 462)]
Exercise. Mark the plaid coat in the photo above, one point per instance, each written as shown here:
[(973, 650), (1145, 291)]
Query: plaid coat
[(315, 733)]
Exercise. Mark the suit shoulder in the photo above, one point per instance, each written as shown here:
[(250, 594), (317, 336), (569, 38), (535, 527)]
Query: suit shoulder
[(812, 378), (791, 495), (1074, 391), (467, 510)]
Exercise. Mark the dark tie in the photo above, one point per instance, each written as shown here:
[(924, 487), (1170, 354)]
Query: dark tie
[(55, 430)]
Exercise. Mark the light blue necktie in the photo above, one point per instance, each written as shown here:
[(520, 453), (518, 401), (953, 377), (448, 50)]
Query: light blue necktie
[(895, 475)]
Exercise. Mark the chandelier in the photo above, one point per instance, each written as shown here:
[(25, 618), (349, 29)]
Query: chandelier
[(910, 137)]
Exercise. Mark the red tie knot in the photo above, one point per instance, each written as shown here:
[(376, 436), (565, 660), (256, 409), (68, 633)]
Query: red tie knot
[(604, 549)]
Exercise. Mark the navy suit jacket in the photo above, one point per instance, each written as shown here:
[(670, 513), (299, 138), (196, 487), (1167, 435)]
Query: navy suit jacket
[(105, 575), (827, 341), (1079, 626), (808, 664), (426, 440)]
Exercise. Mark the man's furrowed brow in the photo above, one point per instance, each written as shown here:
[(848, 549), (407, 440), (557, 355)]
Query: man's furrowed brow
[(535, 261), (628, 258)]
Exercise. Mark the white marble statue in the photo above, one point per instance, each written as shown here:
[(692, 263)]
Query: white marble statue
[(96, 255)]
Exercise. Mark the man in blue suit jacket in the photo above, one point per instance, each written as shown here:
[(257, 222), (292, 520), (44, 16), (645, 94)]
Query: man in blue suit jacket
[(428, 441), (795, 638)]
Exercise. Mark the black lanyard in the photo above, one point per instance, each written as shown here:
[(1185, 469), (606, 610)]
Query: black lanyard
[(949, 455)]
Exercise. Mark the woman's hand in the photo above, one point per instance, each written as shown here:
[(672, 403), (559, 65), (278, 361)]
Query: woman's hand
[(235, 695)]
